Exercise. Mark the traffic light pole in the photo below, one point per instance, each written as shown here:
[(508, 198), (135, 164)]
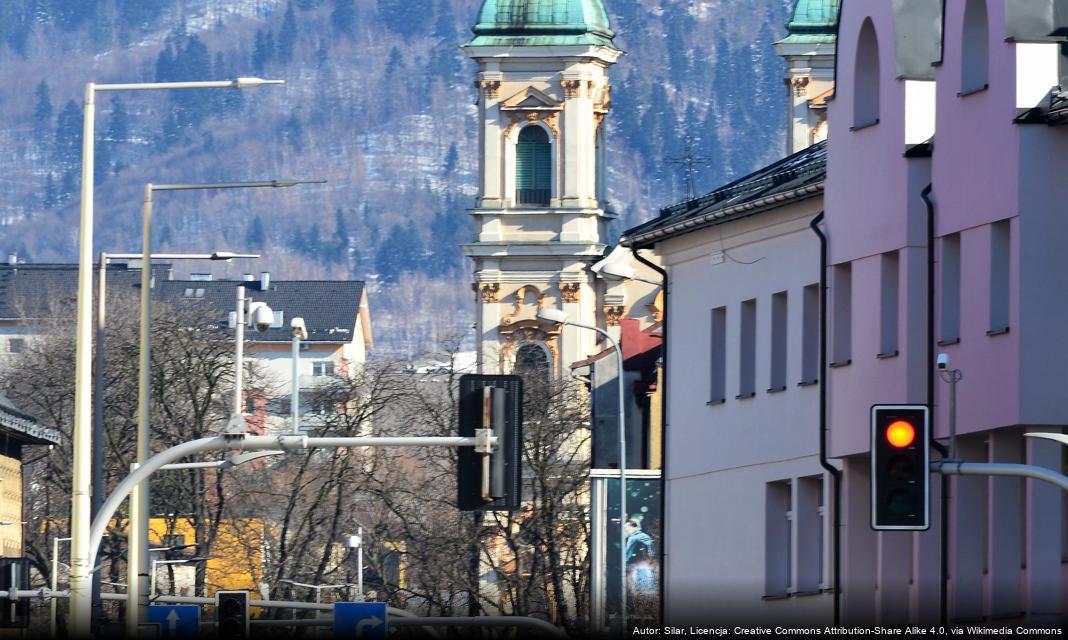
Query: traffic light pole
[(245, 443), (1032, 471)]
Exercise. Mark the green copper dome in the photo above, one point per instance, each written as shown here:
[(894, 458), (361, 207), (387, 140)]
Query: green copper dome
[(542, 22), (813, 21)]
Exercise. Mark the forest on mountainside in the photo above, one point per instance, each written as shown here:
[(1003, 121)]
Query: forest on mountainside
[(378, 100)]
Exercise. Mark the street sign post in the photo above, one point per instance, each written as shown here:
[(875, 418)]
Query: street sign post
[(360, 620), (176, 620)]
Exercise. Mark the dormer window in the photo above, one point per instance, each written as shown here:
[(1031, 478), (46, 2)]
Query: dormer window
[(533, 156), (866, 78), (974, 48)]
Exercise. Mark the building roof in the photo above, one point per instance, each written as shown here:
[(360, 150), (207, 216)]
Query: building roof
[(330, 308), (813, 22), (542, 22), (30, 291), (791, 179), (21, 426)]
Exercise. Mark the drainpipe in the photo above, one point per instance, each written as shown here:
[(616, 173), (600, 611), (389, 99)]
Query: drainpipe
[(943, 611), (663, 422), (836, 473)]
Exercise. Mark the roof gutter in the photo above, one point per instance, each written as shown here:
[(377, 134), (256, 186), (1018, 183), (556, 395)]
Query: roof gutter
[(646, 239)]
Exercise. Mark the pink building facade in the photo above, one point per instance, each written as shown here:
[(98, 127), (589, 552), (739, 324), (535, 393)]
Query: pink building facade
[(944, 121)]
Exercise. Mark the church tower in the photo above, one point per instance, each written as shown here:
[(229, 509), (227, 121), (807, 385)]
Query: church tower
[(540, 218), (809, 52)]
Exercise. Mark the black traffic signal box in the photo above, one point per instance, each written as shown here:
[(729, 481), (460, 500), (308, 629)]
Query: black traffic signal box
[(491, 402), (900, 475), (231, 614)]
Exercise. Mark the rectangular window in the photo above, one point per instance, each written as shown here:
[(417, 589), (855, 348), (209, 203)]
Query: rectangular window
[(810, 334), (809, 519), (323, 368), (842, 288), (16, 345), (747, 351), (718, 368), (778, 341), (889, 288), (949, 330), (778, 539), (999, 277)]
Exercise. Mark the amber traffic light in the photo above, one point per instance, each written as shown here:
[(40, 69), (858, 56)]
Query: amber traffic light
[(900, 487)]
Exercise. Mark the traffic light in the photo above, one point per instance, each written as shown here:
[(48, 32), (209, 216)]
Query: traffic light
[(231, 614), (494, 403), (900, 486)]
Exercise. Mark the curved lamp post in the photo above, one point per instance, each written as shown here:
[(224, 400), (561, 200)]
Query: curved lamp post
[(558, 317)]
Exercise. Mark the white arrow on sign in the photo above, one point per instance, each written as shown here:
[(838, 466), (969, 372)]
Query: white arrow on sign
[(371, 623), (172, 620)]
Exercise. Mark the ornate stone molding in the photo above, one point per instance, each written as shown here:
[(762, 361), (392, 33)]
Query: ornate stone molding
[(523, 332), (571, 88), (521, 308), (490, 88), (800, 87), (570, 291), (551, 119), (490, 291), (613, 314)]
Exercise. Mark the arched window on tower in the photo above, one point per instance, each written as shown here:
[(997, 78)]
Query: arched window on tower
[(866, 78), (532, 362), (533, 167), (974, 45)]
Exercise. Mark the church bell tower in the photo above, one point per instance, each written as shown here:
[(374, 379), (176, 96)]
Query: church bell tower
[(540, 217)]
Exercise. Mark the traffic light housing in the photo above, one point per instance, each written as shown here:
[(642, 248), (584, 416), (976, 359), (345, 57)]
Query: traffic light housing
[(494, 403), (231, 614), (900, 475)]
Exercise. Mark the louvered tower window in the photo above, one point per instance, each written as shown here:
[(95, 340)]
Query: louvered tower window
[(533, 157)]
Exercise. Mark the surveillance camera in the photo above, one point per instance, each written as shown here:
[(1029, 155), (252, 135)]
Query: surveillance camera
[(262, 318), (943, 361), (299, 330)]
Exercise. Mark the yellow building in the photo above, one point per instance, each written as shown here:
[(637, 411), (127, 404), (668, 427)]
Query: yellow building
[(235, 561), (17, 430)]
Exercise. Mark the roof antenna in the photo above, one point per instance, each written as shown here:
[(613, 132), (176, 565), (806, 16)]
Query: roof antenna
[(690, 161)]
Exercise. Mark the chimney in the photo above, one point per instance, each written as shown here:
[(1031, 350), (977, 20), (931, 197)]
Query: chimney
[(248, 277), (12, 259), (265, 280)]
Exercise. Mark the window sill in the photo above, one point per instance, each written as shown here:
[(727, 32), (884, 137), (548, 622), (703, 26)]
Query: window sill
[(948, 342), (884, 356), (745, 396), (998, 332), (714, 403), (972, 92), (866, 125), (807, 594), (844, 363), (780, 596), (777, 389), (808, 383)]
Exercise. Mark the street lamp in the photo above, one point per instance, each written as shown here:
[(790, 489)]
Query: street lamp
[(98, 384), (139, 501), (558, 317), (356, 542), (300, 332), (624, 271), (81, 589)]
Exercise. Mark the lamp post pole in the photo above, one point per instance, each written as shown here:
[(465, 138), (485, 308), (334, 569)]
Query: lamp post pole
[(81, 484), (556, 316)]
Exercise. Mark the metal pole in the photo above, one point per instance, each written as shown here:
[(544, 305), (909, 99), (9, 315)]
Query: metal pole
[(239, 350), (81, 578), (622, 488), (55, 584), (97, 495), (359, 566), (294, 408), (134, 554), (138, 566), (953, 378)]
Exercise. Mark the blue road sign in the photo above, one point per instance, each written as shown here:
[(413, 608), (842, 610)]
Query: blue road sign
[(360, 620), (176, 620)]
